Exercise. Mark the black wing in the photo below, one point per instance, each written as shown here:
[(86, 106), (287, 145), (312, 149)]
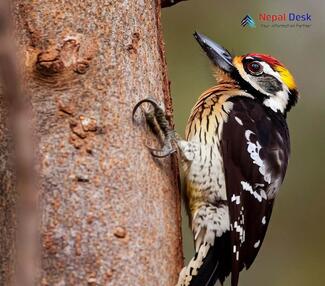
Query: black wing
[(256, 147)]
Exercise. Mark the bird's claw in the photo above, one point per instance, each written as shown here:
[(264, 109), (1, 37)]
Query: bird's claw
[(154, 118), (162, 153)]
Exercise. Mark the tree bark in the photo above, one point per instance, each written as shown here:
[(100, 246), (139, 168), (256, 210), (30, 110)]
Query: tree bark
[(110, 214)]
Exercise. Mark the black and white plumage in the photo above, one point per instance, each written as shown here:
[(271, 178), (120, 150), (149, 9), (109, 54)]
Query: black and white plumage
[(235, 157), (255, 147)]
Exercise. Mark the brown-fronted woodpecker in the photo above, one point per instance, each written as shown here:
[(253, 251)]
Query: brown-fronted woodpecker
[(235, 155)]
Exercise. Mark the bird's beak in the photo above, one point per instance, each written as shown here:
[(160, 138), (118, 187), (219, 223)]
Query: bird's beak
[(217, 54)]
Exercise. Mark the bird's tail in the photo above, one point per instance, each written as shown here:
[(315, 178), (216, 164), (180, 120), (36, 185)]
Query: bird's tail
[(210, 264)]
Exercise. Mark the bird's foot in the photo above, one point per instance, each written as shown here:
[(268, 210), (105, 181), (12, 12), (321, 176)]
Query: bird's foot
[(158, 123)]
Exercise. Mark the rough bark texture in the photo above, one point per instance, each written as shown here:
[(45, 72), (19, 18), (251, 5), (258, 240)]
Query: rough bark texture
[(110, 214), (7, 197), (8, 194)]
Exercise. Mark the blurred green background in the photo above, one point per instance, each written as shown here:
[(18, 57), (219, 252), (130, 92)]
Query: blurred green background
[(294, 248)]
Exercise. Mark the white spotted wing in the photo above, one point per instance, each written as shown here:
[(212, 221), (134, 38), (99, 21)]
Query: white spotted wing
[(255, 147)]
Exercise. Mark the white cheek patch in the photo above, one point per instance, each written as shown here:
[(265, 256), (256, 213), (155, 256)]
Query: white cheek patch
[(268, 70), (278, 101)]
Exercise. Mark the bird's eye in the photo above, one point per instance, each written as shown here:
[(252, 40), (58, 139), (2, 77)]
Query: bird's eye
[(255, 68)]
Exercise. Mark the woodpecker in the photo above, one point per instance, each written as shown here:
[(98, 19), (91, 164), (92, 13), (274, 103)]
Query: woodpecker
[(235, 155)]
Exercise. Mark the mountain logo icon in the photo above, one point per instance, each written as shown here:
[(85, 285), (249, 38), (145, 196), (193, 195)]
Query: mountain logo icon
[(248, 21)]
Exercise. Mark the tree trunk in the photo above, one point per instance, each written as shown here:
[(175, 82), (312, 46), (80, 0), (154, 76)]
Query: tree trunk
[(110, 214)]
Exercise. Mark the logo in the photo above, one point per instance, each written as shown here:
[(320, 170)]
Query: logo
[(292, 17), (285, 20), (248, 21), (279, 20)]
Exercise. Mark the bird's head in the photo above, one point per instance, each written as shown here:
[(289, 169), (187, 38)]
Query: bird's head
[(263, 76)]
